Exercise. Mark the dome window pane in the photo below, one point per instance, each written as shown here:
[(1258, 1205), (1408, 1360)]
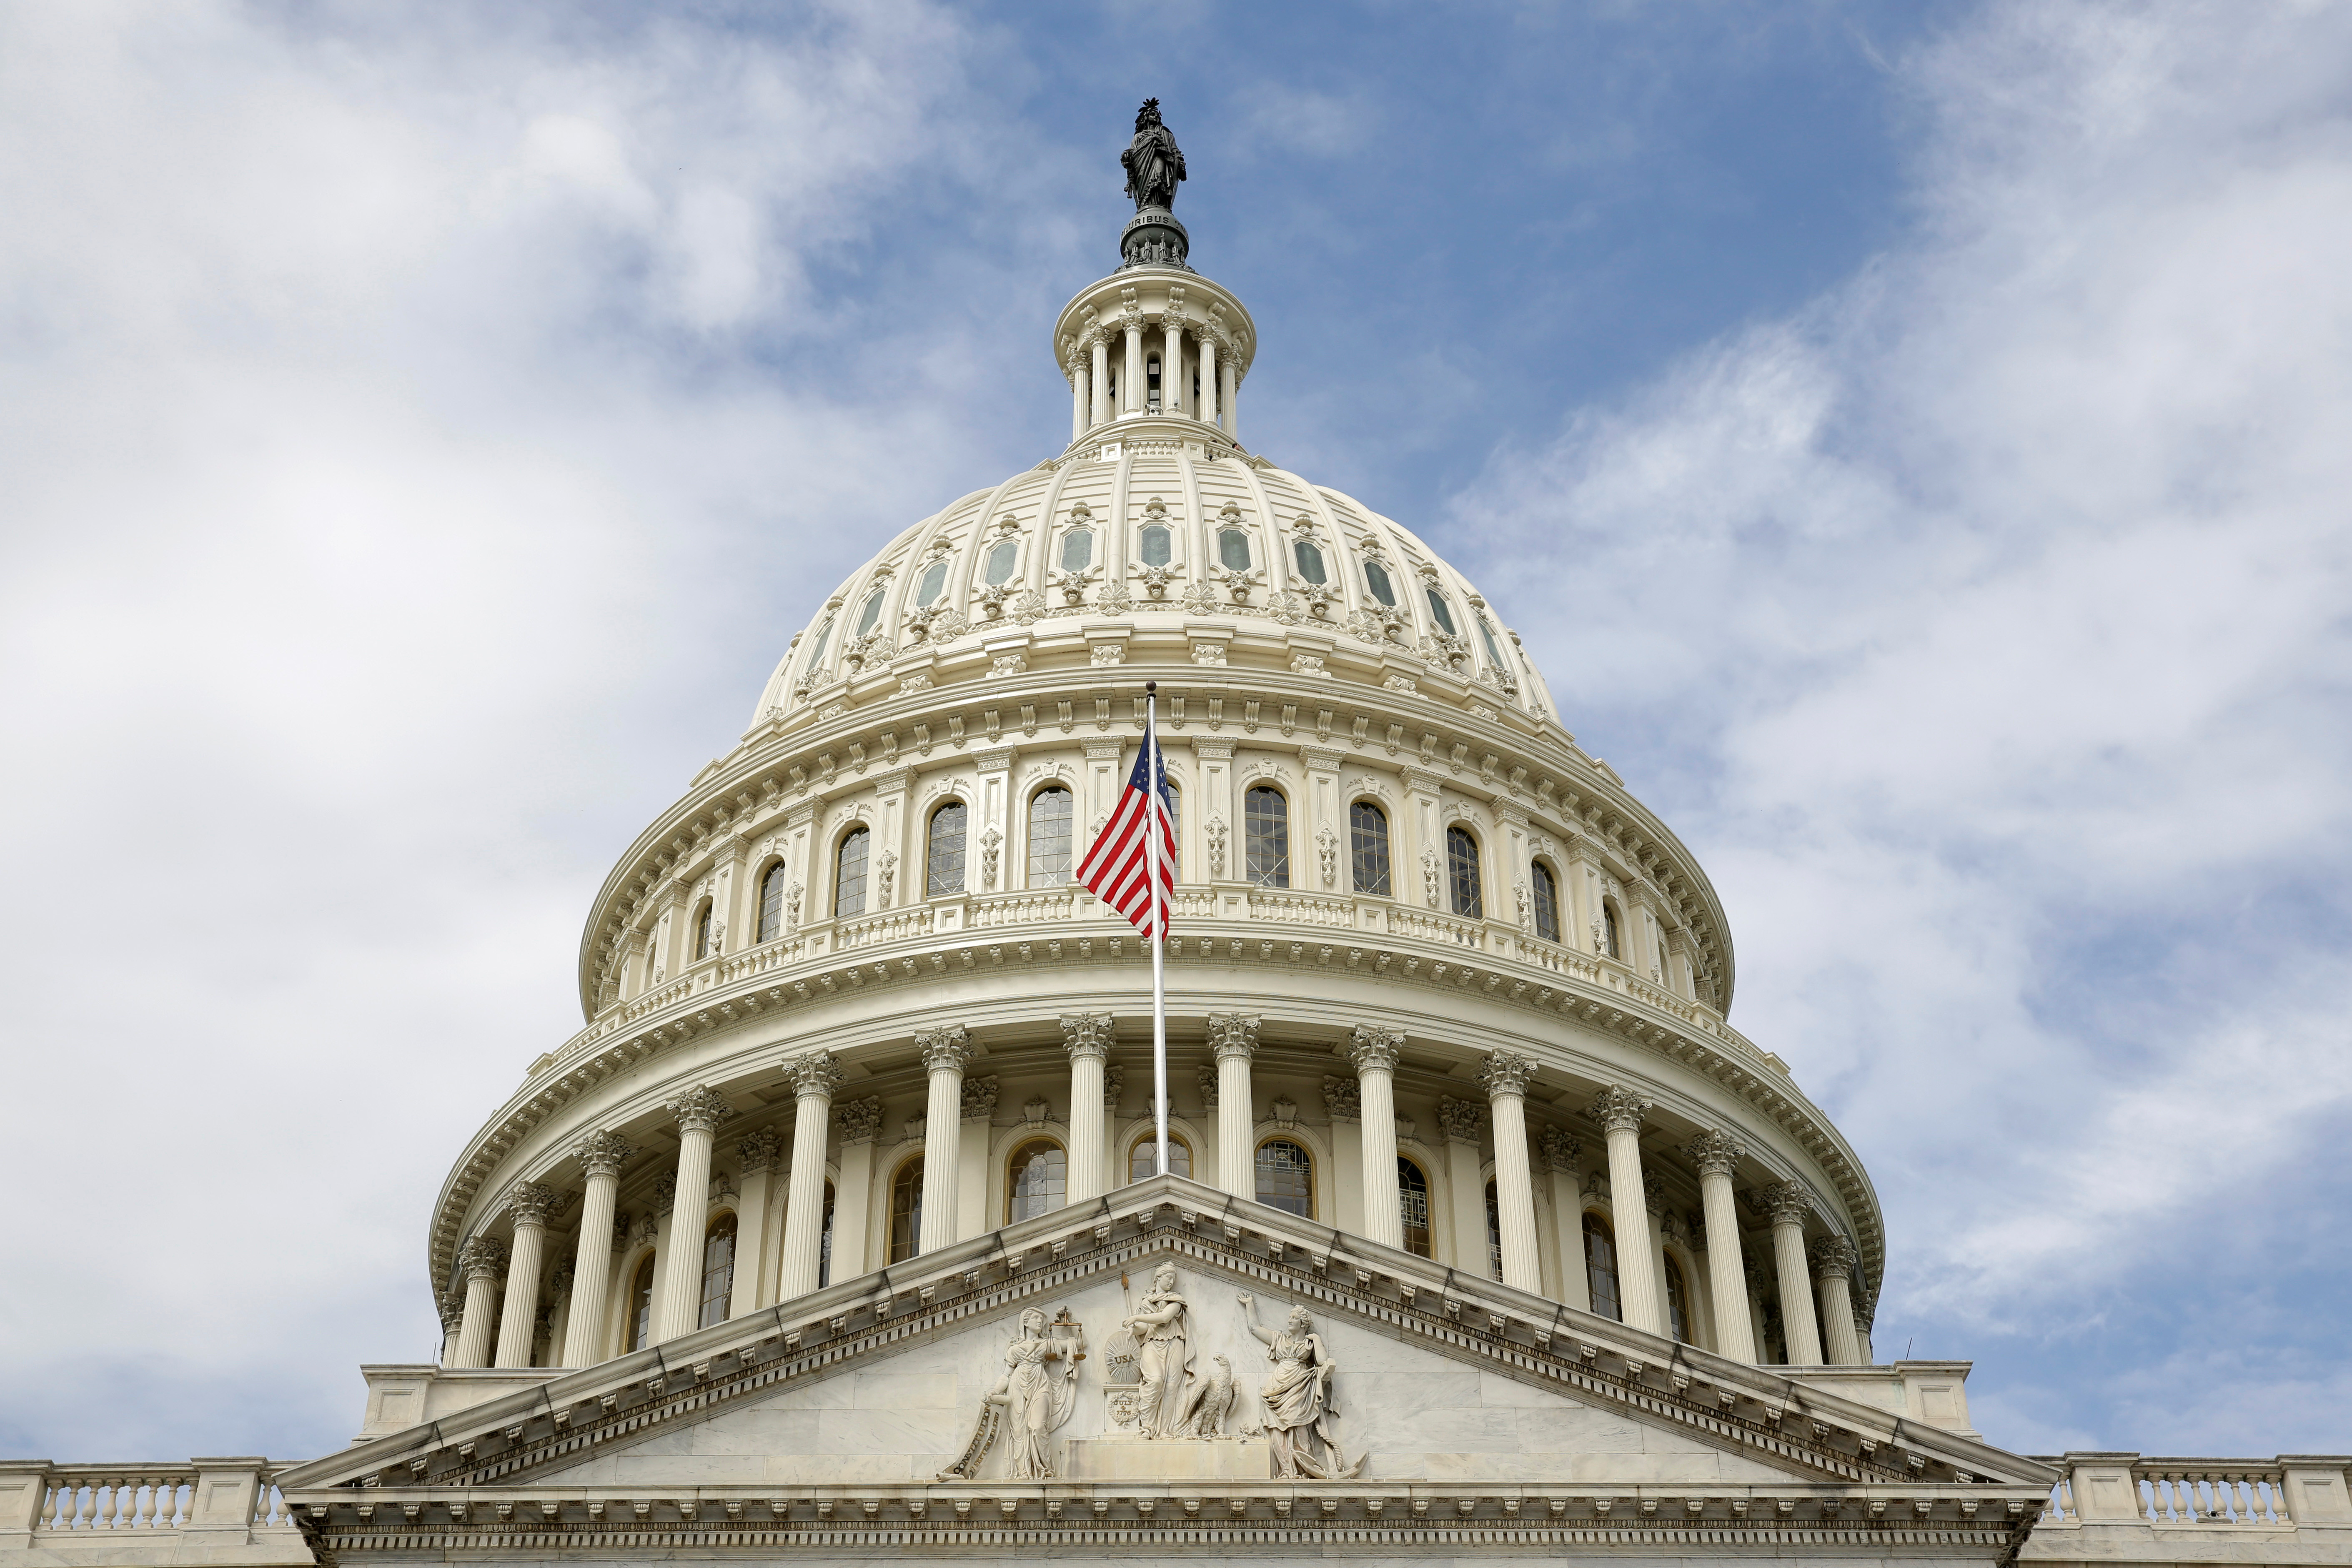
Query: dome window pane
[(1368, 848), (1286, 1177), (641, 1307), (1494, 1233), (1233, 549), (1265, 838), (772, 903), (1143, 1160), (907, 1210), (1310, 562), (702, 933), (1443, 616), (1376, 578), (1609, 943), (1462, 873), (1002, 556), (1036, 1181), (849, 875), (945, 858), (1601, 1266), (868, 614), (1412, 1208), (1547, 902), (824, 1243), (1157, 544), (1049, 838), (1677, 1302), (1077, 550), (718, 1271), (1494, 648), (816, 649), (935, 577)]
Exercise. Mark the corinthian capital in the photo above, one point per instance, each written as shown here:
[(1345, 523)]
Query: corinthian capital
[(1463, 1119), (948, 1045), (1619, 1109), (1716, 1153), (1343, 1100), (698, 1109), (1232, 1035), (1374, 1047), (1086, 1034), (530, 1202), (1506, 1072), (1790, 1202), (860, 1120), (483, 1257), (815, 1076), (1560, 1148), (604, 1154), (1833, 1257), (761, 1151)]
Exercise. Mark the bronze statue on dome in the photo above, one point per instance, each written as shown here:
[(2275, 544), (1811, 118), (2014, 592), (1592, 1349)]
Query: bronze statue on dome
[(1154, 165)]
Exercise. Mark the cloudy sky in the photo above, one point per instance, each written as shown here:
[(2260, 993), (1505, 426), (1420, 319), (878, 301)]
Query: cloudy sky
[(1917, 438)]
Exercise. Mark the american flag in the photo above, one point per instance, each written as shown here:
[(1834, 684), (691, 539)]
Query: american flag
[(1118, 867)]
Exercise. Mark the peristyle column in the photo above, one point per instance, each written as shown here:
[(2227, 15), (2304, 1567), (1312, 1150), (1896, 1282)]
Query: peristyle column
[(1374, 1051), (1208, 409), (1172, 367), (530, 1203), (1234, 1038), (600, 1155), (813, 1080), (699, 1113), (1790, 1205), (1718, 1155), (482, 1260), (945, 1052), (1098, 381), (1506, 1076), (1131, 389), (1080, 404), (1833, 1258), (1229, 399), (1086, 1037), (1620, 1111)]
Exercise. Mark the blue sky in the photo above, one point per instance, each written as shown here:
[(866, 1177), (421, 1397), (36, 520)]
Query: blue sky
[(1914, 438)]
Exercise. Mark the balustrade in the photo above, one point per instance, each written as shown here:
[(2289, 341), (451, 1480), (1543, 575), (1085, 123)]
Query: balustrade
[(1301, 909), (143, 1497), (2203, 1493)]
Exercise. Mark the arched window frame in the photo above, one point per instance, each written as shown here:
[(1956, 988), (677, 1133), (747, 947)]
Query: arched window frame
[(855, 830), (1427, 1246), (902, 1226), (1465, 885), (1258, 1152), (703, 917), (1612, 930), (1371, 869), (1680, 1318), (714, 1295), (1494, 1230), (1266, 858), (825, 1239), (938, 882), (1015, 1161), (638, 1306), (1543, 874), (1142, 1148), (1604, 1273), (774, 883), (1048, 876)]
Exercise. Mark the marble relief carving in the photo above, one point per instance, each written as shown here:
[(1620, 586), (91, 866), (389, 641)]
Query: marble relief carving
[(1301, 1418), (1030, 1402)]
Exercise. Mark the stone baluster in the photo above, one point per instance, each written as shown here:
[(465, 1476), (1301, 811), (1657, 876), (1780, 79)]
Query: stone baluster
[(1718, 1155), (530, 1203), (600, 1155), (482, 1260), (1621, 1112), (814, 1079), (756, 1158), (1208, 409), (679, 1306), (1234, 1038), (1833, 1257), (1374, 1050), (1506, 1076), (1561, 1149), (1087, 1037), (946, 1051), (1790, 1205)]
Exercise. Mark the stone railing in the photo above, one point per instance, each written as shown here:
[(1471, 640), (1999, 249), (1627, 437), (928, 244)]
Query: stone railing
[(2107, 1491), (52, 1509)]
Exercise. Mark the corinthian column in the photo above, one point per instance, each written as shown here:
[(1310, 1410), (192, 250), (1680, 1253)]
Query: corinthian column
[(813, 1080), (1208, 409), (1833, 1260), (1790, 1205), (1374, 1051), (530, 1203), (1172, 366), (1718, 1155), (1078, 400), (1098, 381), (1234, 1038), (1086, 1037), (699, 1113), (1506, 1076), (481, 1261), (1131, 390), (945, 1052), (602, 1155), (1621, 1112)]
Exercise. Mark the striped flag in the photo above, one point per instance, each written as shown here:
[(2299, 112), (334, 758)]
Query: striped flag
[(1119, 865)]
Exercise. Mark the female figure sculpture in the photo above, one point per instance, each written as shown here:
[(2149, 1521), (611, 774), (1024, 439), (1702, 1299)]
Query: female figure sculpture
[(1030, 1402), (1162, 1357), (1297, 1393)]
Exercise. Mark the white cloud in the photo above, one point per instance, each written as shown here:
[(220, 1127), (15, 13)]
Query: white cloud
[(1987, 622)]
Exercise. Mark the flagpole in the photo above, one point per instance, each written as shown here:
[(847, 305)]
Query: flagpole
[(1152, 779)]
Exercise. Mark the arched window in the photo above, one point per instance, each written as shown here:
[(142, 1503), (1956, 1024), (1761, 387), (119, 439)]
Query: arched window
[(1462, 873), (771, 902), (717, 1270), (907, 1210), (1677, 1299), (641, 1306), (1036, 1180), (1601, 1266), (935, 577), (1440, 612), (868, 614), (824, 1243), (1494, 648), (849, 874), (1368, 850), (702, 932), (1049, 837), (1376, 578), (1266, 837), (1002, 556), (1413, 1206), (1286, 1177), (1077, 550), (1547, 902), (1309, 556), (815, 658), (1156, 547), (1609, 943), (1494, 1233), (944, 859), (1143, 1157), (1233, 549)]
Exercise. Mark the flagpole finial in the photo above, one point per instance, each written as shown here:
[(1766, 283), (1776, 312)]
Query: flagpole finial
[(1151, 689)]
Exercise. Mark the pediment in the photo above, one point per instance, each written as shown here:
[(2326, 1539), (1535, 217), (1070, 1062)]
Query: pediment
[(1439, 1382)]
